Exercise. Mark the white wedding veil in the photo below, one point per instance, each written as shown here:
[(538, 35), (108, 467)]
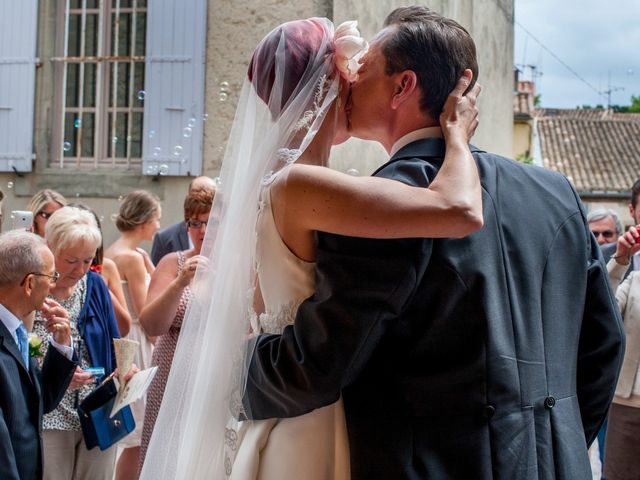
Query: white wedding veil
[(290, 86)]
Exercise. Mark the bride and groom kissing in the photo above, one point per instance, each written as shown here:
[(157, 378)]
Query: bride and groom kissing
[(464, 330)]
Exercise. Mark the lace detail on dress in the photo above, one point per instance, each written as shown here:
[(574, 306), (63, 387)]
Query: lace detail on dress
[(309, 115), (274, 322), (288, 156)]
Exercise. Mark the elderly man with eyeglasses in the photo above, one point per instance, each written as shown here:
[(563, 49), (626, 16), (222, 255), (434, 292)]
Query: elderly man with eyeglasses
[(26, 392), (605, 225)]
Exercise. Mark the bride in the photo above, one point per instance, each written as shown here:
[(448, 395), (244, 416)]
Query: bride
[(275, 193)]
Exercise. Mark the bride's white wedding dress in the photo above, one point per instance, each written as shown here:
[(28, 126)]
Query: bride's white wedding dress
[(310, 447)]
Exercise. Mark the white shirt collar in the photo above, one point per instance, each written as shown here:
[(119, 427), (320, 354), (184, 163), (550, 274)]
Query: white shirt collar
[(10, 321), (428, 132)]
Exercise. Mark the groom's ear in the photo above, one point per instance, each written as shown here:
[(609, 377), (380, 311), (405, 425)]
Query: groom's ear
[(406, 84)]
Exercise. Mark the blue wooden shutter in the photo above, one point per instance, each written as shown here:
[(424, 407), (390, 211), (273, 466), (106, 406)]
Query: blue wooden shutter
[(18, 33), (174, 87)]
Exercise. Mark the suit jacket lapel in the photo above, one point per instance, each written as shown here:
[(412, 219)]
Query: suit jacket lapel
[(34, 375), (8, 344)]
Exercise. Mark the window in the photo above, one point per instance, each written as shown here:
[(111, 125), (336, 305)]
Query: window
[(100, 77)]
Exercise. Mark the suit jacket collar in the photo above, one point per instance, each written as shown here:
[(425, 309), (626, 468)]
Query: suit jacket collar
[(425, 148)]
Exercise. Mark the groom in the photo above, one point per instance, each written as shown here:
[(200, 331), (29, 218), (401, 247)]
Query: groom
[(490, 356)]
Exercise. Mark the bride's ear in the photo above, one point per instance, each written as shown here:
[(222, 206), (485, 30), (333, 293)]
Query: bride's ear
[(405, 85)]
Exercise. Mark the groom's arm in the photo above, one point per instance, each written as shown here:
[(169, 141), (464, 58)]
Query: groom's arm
[(362, 287)]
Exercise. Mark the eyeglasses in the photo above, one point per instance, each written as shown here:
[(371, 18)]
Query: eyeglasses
[(52, 278), (604, 233), (45, 215), (196, 223)]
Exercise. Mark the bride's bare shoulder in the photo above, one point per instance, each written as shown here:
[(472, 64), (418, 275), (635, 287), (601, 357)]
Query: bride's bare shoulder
[(301, 176)]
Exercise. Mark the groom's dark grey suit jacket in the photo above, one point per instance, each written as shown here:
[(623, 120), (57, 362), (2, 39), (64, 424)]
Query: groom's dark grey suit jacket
[(491, 356)]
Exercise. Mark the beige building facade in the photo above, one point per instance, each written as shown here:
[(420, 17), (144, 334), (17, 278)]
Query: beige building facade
[(111, 153)]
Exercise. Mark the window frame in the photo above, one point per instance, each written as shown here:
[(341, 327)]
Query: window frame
[(104, 154)]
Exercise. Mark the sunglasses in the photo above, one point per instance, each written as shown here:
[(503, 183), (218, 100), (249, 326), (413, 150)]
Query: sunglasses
[(45, 215), (604, 233)]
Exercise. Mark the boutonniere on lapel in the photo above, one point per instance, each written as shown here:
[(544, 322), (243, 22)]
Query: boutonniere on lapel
[(35, 345)]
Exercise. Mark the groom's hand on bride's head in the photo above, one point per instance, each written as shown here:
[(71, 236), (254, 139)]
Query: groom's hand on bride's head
[(460, 113)]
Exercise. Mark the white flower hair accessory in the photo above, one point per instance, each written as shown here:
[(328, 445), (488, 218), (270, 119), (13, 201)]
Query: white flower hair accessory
[(349, 49)]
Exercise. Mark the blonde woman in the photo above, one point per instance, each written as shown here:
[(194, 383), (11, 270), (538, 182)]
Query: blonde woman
[(42, 205), (73, 237), (137, 221), (109, 272)]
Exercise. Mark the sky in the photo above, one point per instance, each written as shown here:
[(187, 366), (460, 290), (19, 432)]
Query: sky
[(599, 40)]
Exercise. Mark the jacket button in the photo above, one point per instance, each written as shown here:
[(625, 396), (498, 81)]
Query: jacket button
[(489, 411), (549, 402)]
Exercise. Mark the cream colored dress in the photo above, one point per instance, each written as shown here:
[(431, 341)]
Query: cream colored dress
[(142, 360), (309, 447)]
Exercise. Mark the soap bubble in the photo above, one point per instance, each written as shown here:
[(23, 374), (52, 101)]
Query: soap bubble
[(66, 146), (186, 133), (223, 96), (77, 123), (141, 95), (177, 150), (192, 122), (353, 172), (10, 186)]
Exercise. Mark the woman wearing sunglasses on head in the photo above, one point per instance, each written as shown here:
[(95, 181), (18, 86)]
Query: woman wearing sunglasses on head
[(42, 205)]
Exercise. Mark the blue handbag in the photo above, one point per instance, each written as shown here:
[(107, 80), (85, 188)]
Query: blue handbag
[(97, 428)]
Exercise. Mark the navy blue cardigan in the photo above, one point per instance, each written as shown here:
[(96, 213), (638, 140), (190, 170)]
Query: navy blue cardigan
[(97, 324)]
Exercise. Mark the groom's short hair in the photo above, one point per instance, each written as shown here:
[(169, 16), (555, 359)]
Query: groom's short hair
[(436, 48)]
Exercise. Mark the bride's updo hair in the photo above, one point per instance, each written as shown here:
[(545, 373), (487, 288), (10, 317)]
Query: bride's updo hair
[(285, 58)]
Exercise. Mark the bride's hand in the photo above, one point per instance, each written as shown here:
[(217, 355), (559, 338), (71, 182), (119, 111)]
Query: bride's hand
[(460, 113)]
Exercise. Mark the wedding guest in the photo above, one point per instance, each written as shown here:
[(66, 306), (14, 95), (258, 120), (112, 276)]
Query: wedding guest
[(605, 225), (169, 295), (73, 237), (608, 250), (175, 238), (623, 429), (42, 205), (137, 221), (109, 272), (26, 275)]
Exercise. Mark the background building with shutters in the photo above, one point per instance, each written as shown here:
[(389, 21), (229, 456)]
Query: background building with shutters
[(101, 97)]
